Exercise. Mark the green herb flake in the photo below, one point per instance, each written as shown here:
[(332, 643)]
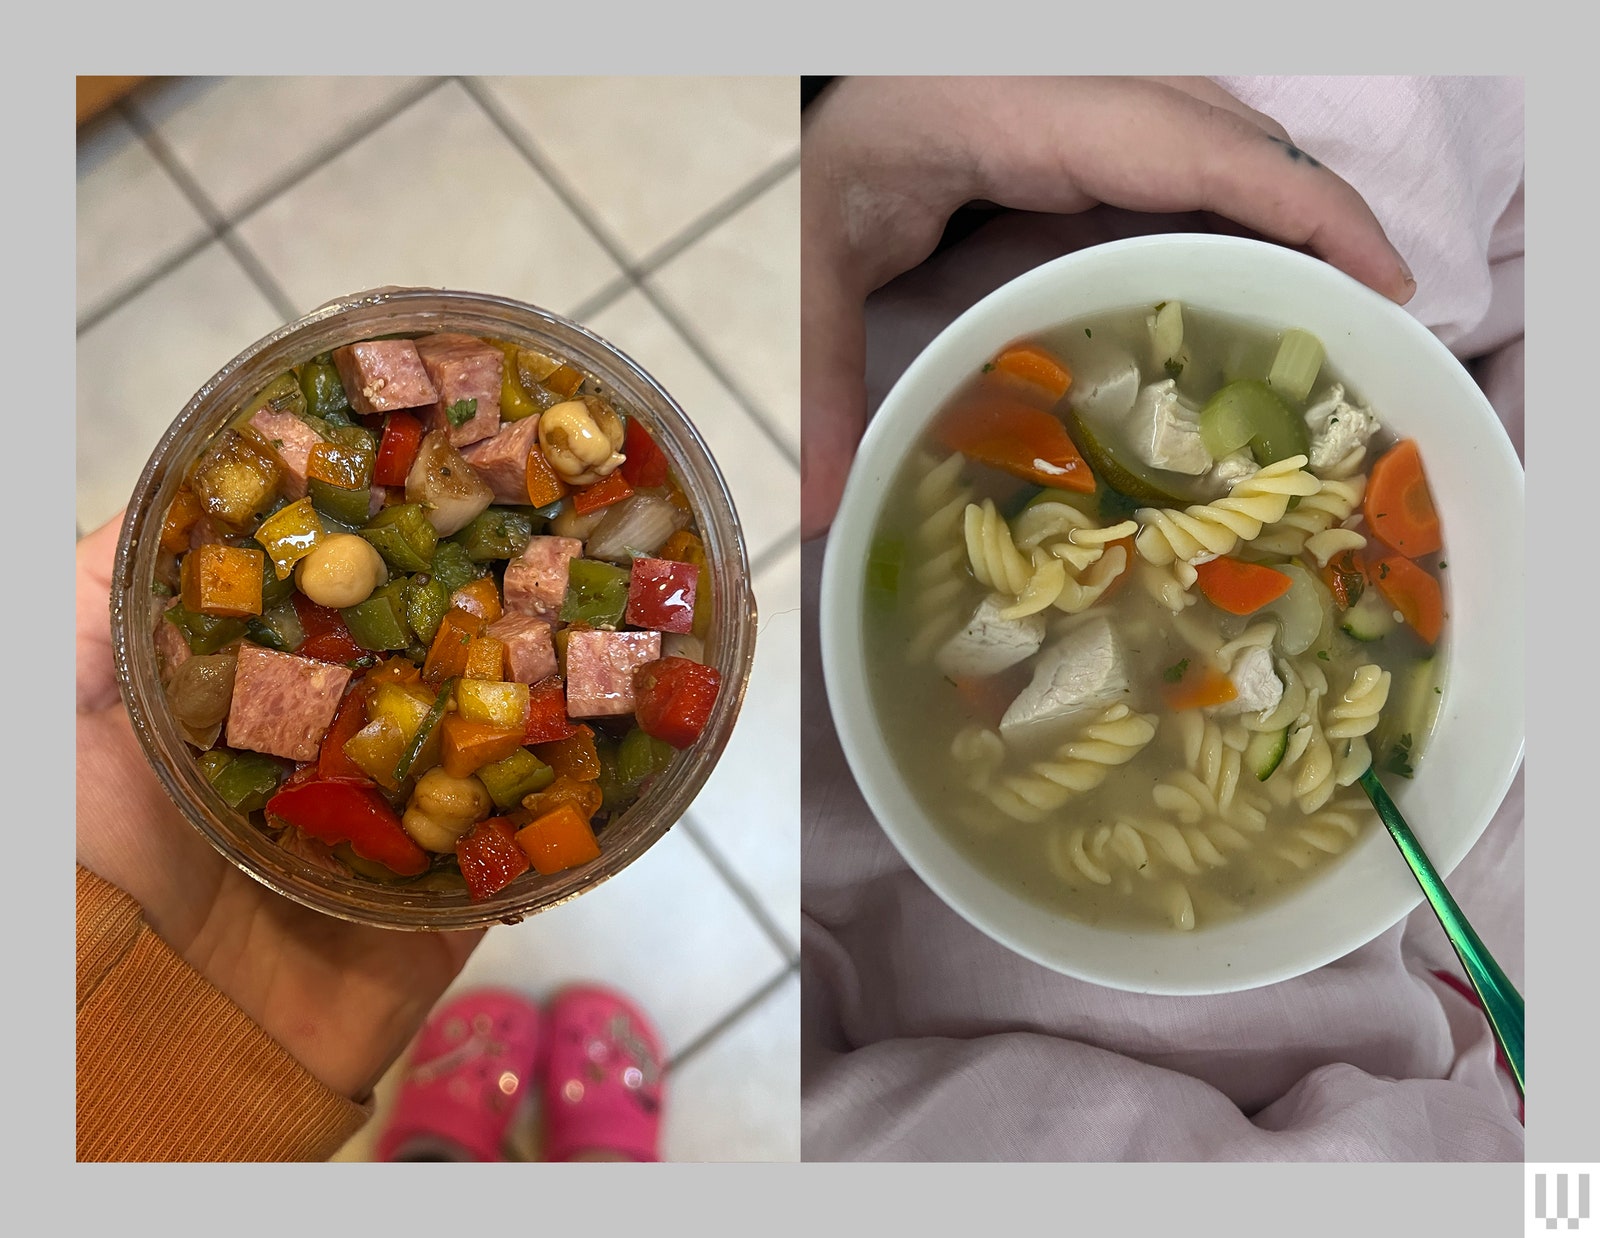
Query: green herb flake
[(461, 412), (1323, 654), (1443, 565), (1088, 334), (1383, 571), (987, 366), (1398, 760), (1176, 671), (1174, 369)]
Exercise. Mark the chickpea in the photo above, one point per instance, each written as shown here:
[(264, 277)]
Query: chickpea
[(567, 522), (429, 834), (579, 449), (443, 808), (343, 570)]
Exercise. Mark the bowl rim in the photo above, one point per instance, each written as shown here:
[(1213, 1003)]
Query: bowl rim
[(993, 909), (355, 899)]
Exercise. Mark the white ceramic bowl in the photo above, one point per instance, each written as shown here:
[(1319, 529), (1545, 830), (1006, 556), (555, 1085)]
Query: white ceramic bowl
[(1421, 391)]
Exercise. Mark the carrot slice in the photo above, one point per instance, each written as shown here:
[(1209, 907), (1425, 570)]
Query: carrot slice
[(1018, 439), (1238, 587), (1031, 364), (1398, 505), (1198, 687), (1414, 592)]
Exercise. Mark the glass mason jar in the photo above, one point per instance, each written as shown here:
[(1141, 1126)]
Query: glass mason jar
[(136, 608)]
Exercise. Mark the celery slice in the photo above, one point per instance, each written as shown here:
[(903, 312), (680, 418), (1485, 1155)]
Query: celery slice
[(1296, 365), (1247, 411)]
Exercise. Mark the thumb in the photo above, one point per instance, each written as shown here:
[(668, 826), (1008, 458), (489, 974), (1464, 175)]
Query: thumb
[(833, 393)]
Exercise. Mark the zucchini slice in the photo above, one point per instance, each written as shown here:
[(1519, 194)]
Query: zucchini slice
[(1264, 752)]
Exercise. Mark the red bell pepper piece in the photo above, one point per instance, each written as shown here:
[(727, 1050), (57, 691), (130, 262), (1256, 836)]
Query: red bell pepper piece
[(336, 810), (661, 595), (327, 637), (612, 488), (490, 858), (547, 713), (673, 699), (645, 465), (352, 716), (397, 450)]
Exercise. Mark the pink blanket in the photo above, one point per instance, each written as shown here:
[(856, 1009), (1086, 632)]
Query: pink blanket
[(924, 1040)]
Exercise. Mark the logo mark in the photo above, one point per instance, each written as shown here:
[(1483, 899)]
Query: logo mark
[(1564, 1203)]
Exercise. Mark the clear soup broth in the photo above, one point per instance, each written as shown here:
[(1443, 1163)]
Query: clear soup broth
[(1142, 692)]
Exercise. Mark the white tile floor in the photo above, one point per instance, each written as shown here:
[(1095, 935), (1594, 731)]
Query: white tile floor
[(663, 213)]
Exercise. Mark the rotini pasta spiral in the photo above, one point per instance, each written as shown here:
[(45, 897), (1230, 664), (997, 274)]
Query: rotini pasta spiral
[(1355, 710), (1062, 542), (1113, 738), (1332, 504), (1205, 530)]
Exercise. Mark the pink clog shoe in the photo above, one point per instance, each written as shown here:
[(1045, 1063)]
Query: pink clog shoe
[(471, 1066), (602, 1084)]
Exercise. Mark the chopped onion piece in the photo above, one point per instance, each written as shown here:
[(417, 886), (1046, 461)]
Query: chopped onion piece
[(634, 528), (446, 485)]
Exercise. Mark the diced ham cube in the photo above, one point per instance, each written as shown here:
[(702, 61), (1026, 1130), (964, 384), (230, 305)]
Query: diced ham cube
[(536, 580), (462, 367), (283, 704), (172, 646), (291, 440), (382, 375), (502, 461), (600, 668), (530, 649)]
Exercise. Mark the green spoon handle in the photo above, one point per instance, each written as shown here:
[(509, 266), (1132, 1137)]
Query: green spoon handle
[(1502, 1004)]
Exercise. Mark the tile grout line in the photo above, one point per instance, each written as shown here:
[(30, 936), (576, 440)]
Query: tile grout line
[(214, 218), (699, 1044), (221, 227), (739, 889), (614, 251)]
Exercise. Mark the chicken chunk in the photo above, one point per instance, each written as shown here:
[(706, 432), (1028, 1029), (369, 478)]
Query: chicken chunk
[(1256, 682), (1165, 429), (1105, 381), (990, 644), (1085, 670), (1337, 427)]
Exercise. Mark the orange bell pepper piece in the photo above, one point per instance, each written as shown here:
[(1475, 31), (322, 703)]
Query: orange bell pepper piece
[(468, 746), (576, 757), (559, 840)]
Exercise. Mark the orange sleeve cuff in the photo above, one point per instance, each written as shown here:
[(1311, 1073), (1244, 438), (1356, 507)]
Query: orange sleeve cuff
[(169, 1069)]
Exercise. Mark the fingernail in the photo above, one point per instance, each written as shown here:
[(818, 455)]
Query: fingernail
[(1410, 280)]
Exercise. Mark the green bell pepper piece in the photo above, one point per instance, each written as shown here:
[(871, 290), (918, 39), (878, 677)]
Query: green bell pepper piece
[(245, 781), (495, 533), (427, 600), (402, 535), (379, 623), (335, 503), (453, 567), (515, 776), (205, 633), (597, 593), (278, 628), (322, 387), (641, 756)]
